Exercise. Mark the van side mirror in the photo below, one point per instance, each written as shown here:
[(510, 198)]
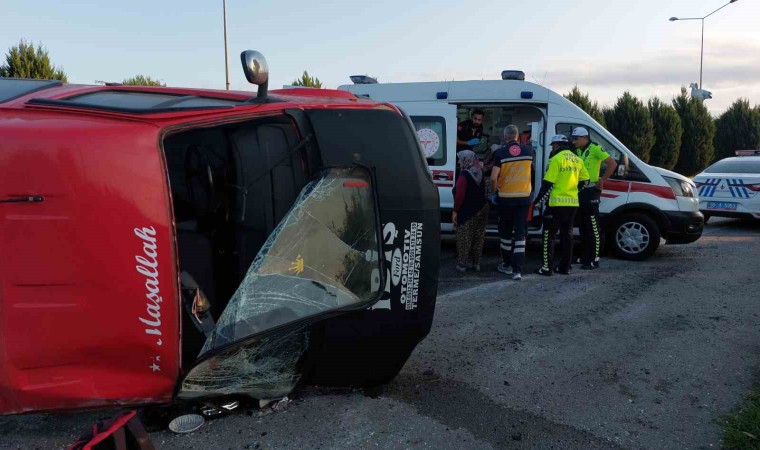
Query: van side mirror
[(256, 70)]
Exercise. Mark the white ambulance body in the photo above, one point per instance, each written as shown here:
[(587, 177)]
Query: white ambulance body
[(640, 204)]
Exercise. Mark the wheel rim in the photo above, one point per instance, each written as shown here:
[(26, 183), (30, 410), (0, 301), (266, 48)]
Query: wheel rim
[(632, 237)]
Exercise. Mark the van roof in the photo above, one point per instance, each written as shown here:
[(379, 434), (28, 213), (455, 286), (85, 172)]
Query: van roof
[(142, 100), (459, 91)]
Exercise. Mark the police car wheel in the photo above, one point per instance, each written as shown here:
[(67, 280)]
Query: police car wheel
[(634, 237)]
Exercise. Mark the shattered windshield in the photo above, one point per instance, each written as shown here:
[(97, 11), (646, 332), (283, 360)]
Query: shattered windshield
[(318, 259)]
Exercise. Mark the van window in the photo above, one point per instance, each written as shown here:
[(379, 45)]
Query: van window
[(567, 129), (431, 132)]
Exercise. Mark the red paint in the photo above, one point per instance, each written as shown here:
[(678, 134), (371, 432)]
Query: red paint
[(355, 184), (616, 185), (443, 178), (71, 294), (660, 191), (609, 195)]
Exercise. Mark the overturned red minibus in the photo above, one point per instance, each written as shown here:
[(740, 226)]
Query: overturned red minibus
[(165, 245)]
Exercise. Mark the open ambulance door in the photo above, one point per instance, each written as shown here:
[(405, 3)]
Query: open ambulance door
[(436, 126)]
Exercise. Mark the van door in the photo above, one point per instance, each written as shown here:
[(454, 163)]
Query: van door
[(436, 125)]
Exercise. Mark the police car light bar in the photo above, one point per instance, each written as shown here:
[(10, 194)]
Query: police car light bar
[(748, 153), (363, 79), (518, 75)]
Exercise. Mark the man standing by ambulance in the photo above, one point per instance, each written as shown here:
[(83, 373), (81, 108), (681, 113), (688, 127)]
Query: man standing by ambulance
[(565, 175), (512, 182), (593, 156)]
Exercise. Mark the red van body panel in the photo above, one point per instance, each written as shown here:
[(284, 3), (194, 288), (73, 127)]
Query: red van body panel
[(89, 296), (80, 326)]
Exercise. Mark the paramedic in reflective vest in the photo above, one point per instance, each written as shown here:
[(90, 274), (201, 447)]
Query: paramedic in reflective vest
[(593, 156), (512, 177), (470, 131), (564, 177)]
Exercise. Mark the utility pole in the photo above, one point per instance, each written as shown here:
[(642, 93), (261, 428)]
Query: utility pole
[(226, 57)]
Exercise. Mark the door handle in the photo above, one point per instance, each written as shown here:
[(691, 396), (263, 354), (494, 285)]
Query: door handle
[(23, 199)]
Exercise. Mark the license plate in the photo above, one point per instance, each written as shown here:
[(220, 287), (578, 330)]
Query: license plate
[(722, 205)]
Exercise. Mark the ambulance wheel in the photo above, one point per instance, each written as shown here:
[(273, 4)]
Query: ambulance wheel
[(634, 237), (707, 217)]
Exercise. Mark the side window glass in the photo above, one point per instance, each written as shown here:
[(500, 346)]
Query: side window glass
[(431, 132), (617, 155)]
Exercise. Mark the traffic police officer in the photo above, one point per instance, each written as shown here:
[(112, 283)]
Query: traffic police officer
[(593, 156), (512, 176), (565, 175)]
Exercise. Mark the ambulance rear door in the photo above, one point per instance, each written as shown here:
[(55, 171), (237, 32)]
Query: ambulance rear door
[(436, 126)]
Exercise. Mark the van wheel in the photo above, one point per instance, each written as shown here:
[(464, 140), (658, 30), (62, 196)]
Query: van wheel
[(634, 237)]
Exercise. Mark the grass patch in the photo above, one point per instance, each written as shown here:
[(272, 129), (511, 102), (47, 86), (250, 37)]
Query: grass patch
[(741, 429)]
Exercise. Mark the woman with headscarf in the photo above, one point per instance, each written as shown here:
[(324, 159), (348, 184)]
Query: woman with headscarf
[(470, 211)]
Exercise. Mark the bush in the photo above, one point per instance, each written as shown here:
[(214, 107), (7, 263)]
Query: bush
[(697, 149), (737, 128), (630, 122), (142, 80), (667, 134)]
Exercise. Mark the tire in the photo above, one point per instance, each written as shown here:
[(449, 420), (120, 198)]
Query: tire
[(707, 217), (634, 237)]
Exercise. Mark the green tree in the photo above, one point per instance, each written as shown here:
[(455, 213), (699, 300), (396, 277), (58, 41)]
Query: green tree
[(584, 102), (697, 148), (24, 61), (142, 80), (667, 134), (630, 122), (737, 128), (308, 81)]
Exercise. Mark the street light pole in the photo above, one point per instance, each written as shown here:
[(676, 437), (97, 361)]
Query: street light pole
[(702, 46), (226, 57)]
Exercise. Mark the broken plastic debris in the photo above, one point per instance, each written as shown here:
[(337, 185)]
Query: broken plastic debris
[(186, 423)]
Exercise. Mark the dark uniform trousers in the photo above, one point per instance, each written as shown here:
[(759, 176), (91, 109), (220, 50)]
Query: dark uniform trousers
[(513, 228), (558, 218), (590, 228)]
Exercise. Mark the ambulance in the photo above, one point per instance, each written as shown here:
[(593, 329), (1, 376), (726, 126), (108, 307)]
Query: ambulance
[(641, 204)]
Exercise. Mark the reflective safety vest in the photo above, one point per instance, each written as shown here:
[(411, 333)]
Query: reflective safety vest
[(592, 157), (515, 164), (565, 171)]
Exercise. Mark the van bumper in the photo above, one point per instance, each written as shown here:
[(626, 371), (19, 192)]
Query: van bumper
[(684, 227)]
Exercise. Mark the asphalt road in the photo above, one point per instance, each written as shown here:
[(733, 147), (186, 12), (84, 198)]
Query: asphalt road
[(635, 355)]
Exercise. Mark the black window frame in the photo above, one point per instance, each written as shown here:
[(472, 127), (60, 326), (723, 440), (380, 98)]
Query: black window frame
[(41, 85), (162, 107)]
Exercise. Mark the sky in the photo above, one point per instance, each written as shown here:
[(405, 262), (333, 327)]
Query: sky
[(605, 47)]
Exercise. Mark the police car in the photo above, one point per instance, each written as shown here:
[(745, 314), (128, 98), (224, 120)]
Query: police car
[(730, 187)]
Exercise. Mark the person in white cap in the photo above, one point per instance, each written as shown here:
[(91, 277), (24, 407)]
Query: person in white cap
[(565, 175), (593, 156)]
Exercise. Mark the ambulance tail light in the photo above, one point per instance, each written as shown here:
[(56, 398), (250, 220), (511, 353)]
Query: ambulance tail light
[(513, 75), (256, 70)]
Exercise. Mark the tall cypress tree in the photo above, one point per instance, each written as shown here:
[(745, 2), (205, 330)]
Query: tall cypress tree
[(737, 128), (630, 122), (24, 61), (583, 101), (697, 150), (667, 134)]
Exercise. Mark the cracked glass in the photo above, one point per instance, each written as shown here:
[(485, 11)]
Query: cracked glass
[(322, 257)]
